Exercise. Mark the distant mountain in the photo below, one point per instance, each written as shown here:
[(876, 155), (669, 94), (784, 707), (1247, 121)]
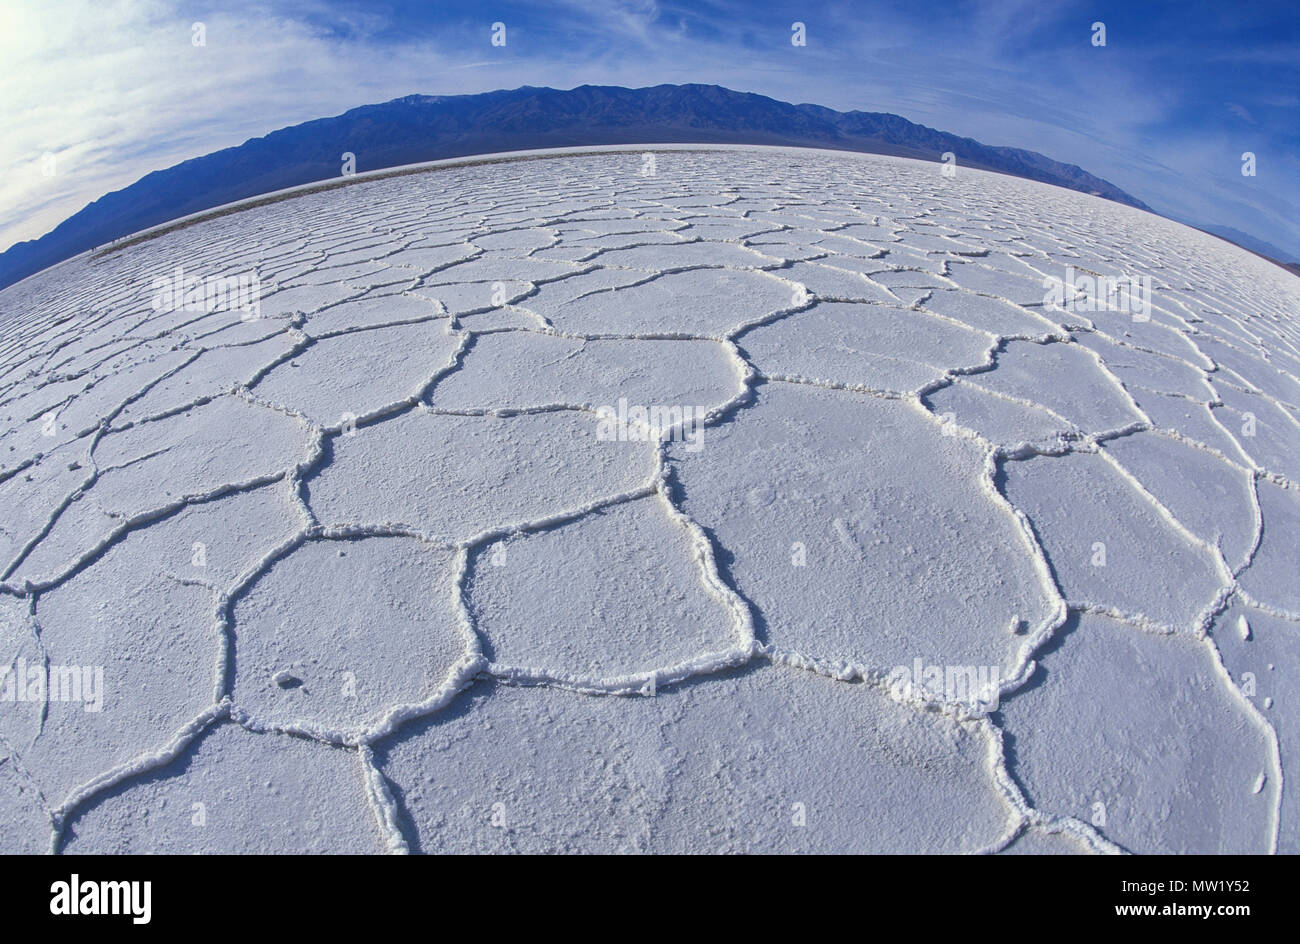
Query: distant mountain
[(1249, 242), (421, 128)]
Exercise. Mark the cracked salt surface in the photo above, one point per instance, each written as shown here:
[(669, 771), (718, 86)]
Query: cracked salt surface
[(367, 572)]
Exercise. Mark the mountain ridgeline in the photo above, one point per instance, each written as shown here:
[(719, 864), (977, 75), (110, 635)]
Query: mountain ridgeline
[(421, 128)]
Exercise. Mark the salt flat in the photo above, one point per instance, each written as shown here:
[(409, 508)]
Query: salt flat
[(765, 503)]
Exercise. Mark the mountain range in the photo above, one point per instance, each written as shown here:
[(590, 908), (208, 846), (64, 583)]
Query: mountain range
[(420, 128)]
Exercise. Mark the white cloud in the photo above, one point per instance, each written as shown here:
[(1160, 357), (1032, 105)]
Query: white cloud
[(116, 90)]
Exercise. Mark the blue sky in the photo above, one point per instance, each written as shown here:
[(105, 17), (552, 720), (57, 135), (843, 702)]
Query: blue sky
[(113, 90)]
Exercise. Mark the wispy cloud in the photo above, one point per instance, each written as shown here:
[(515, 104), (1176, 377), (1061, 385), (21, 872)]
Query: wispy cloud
[(1240, 112)]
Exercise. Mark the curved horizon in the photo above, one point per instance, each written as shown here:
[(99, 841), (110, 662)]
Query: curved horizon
[(1165, 109)]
